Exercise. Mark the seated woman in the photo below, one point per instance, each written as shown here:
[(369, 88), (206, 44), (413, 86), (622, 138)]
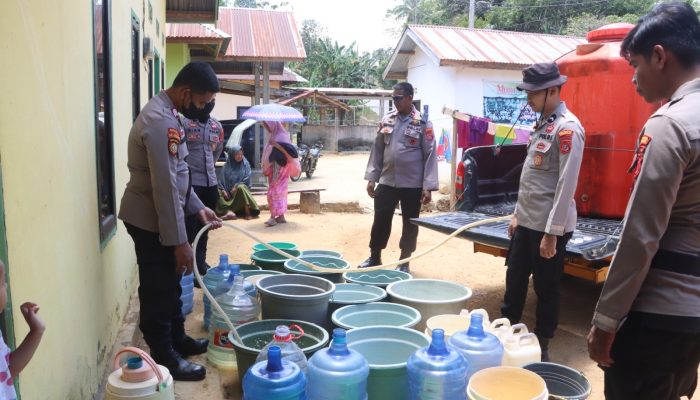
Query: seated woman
[(235, 199)]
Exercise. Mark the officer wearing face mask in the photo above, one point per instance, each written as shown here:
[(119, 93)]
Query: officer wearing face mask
[(156, 200), (205, 141)]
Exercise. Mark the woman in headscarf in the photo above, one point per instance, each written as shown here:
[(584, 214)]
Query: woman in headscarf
[(235, 199), (279, 162)]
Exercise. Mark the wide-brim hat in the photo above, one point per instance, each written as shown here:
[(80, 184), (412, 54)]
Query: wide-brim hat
[(541, 76)]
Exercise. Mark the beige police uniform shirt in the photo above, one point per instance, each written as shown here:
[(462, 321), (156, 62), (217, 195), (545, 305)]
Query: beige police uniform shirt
[(154, 198), (663, 213), (550, 174), (403, 154), (205, 142)]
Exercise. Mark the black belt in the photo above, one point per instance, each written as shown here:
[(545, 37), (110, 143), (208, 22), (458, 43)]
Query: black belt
[(682, 263)]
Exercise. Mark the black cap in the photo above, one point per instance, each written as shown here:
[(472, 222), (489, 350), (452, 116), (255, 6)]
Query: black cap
[(541, 76)]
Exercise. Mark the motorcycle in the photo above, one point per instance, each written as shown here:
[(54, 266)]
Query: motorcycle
[(308, 158)]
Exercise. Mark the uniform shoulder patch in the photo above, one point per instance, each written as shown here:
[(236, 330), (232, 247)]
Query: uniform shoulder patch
[(565, 143), (644, 141), (429, 134), (173, 141)]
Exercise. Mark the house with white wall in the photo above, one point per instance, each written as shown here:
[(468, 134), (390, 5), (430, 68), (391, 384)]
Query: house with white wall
[(459, 67)]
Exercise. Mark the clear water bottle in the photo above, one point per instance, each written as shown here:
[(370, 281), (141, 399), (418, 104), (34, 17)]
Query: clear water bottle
[(284, 339), (274, 379), (187, 296), (437, 372), (337, 372), (211, 280), (480, 349), (239, 308), (235, 270)]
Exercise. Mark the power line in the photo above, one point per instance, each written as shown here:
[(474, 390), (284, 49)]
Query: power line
[(550, 5)]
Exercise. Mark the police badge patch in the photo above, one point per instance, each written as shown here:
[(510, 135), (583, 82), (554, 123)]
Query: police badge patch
[(565, 144), (429, 134), (173, 141), (639, 157)]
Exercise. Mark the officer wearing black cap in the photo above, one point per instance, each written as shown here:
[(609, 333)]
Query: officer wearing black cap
[(545, 214)]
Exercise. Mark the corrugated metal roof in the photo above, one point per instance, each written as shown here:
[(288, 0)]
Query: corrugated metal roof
[(478, 47), (194, 31), (261, 35), (287, 76), (191, 10)]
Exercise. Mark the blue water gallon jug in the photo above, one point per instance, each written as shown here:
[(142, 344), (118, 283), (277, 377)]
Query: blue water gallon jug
[(480, 349), (211, 280), (187, 296), (436, 372), (284, 339), (274, 379), (240, 308), (337, 372)]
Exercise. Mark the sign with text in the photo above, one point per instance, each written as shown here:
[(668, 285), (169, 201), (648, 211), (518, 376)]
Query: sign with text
[(503, 103)]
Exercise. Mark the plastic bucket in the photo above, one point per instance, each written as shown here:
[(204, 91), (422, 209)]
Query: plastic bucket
[(268, 259), (353, 293), (247, 267), (297, 297), (327, 253), (295, 267), (277, 245), (375, 314), (255, 335), (506, 383), (450, 323), (387, 349), (254, 276), (381, 278), (430, 297), (562, 382)]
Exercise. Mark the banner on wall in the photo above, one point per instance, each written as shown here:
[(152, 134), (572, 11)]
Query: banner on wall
[(503, 103)]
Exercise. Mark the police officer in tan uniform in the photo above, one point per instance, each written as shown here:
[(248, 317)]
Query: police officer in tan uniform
[(403, 161), (646, 326), (545, 214), (205, 142), (156, 200)]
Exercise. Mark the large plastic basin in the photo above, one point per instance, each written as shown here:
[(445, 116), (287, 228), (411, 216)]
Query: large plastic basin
[(277, 245), (430, 297), (381, 277), (353, 293), (387, 349), (375, 314), (327, 253), (268, 259), (295, 267), (297, 297)]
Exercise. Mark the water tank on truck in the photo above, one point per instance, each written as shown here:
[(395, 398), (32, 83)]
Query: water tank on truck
[(601, 94)]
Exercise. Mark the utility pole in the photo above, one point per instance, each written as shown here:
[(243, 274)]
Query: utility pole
[(471, 13)]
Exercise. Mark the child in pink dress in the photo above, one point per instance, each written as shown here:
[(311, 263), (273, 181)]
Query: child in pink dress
[(13, 362)]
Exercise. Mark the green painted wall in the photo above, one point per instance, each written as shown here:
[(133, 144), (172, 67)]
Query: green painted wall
[(177, 56)]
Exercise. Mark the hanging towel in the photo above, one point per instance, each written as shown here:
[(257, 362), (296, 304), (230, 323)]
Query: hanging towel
[(478, 132), (521, 135), (504, 135), (462, 134), (491, 129)]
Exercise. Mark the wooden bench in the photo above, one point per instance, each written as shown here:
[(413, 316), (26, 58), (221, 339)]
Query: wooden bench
[(309, 199)]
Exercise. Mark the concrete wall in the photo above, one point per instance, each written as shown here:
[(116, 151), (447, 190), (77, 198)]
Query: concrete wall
[(227, 105), (349, 137), (48, 161)]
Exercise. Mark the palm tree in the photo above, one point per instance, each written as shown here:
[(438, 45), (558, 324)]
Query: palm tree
[(408, 11)]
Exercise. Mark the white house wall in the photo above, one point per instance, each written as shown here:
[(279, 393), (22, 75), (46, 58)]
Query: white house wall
[(227, 104)]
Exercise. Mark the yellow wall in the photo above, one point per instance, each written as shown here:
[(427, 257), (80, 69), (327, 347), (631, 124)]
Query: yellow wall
[(47, 156), (178, 57)]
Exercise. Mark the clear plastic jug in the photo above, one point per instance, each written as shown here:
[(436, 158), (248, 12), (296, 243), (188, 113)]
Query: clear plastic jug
[(274, 379), (284, 339), (211, 280), (337, 372), (480, 349), (437, 372)]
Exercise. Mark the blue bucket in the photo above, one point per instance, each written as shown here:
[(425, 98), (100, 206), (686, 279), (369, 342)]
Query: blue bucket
[(562, 382)]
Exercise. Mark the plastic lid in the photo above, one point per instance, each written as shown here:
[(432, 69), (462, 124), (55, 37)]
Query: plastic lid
[(609, 33), (437, 345), (339, 345), (134, 363), (282, 334)]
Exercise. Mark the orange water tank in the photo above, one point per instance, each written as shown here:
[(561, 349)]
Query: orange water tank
[(601, 94)]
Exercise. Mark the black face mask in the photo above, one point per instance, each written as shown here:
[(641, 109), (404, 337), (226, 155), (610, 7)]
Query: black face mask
[(204, 112), (191, 111)]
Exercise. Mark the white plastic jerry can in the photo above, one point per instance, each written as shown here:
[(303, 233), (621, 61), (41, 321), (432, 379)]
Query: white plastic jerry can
[(483, 313), (521, 349), (500, 327), (139, 379)]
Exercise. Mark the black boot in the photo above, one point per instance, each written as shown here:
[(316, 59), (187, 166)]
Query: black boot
[(544, 346), (191, 347), (180, 369), (374, 259), (403, 267)]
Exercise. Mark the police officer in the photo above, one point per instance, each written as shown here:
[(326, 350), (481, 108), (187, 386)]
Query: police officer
[(205, 142), (646, 326), (545, 214), (153, 208), (403, 161)]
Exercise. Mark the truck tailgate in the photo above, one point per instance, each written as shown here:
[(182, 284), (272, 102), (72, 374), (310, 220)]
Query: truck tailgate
[(590, 233)]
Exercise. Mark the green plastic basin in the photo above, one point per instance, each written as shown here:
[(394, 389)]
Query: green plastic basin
[(381, 278), (430, 297), (278, 245), (328, 253), (257, 334), (248, 267), (268, 259), (387, 349), (295, 267), (375, 314), (254, 276)]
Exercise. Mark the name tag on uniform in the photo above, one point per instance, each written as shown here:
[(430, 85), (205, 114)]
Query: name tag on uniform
[(412, 131), (542, 145)]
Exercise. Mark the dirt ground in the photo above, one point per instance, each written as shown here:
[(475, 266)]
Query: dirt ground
[(348, 233)]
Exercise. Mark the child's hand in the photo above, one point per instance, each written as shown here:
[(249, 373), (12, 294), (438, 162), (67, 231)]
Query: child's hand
[(29, 311)]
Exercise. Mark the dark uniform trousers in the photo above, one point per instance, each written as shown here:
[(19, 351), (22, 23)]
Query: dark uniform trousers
[(209, 196), (161, 319), (652, 363), (385, 200), (524, 259)]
